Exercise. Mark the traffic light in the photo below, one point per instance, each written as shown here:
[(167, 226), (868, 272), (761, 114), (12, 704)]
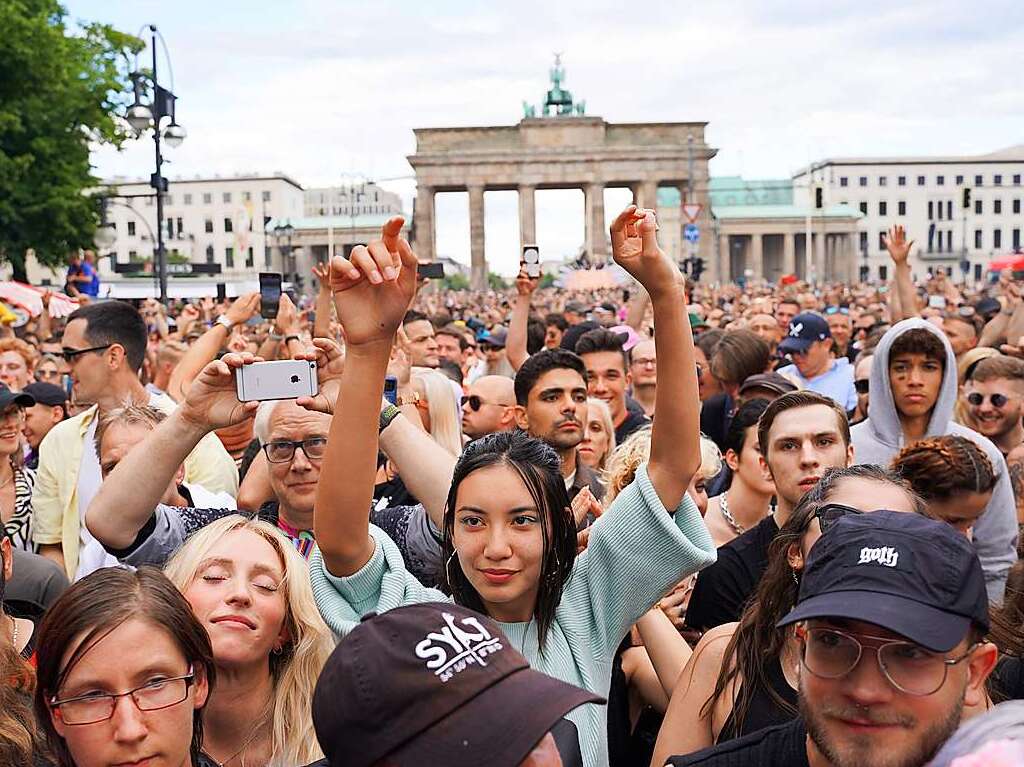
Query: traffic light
[(697, 268), (819, 197), (967, 197)]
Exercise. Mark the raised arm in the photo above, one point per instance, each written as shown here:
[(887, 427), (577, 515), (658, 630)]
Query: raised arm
[(324, 306), (372, 293), (128, 496), (209, 344), (638, 304), (515, 346), (899, 249), (675, 437)]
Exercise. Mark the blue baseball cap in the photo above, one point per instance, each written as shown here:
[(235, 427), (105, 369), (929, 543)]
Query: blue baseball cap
[(804, 330), (914, 576)]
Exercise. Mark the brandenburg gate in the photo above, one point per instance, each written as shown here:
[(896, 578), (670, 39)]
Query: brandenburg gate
[(561, 149)]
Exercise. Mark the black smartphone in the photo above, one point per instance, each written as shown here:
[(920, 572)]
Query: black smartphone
[(222, 292), (270, 294), (391, 389), (433, 270)]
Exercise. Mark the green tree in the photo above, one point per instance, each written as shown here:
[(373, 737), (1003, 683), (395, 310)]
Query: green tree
[(456, 282), (60, 92), (496, 281)]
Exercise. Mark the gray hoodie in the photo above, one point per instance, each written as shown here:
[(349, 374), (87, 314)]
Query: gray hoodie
[(880, 437)]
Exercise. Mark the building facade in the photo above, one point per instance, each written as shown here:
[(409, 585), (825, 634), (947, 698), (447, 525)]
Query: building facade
[(360, 199), (926, 196)]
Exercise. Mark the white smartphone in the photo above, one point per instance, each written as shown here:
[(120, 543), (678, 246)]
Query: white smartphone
[(283, 379)]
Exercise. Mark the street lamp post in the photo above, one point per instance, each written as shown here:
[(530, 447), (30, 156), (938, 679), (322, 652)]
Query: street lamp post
[(142, 116), (283, 234)]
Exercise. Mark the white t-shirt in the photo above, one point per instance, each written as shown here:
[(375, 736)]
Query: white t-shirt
[(91, 554)]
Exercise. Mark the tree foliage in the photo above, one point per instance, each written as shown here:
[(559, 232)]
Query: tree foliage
[(60, 91)]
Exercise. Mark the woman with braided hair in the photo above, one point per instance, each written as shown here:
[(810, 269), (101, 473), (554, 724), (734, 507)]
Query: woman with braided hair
[(953, 476)]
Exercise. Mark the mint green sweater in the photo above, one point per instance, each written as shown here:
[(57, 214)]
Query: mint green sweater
[(636, 553)]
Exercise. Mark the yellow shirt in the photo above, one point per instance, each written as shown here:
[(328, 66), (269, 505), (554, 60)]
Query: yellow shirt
[(55, 510)]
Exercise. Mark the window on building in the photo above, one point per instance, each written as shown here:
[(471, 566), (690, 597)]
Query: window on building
[(931, 210), (863, 242), (997, 238), (131, 228), (1016, 179), (863, 208), (920, 180), (959, 180), (207, 198), (226, 197), (883, 208), (133, 255), (266, 257), (229, 258), (883, 180), (883, 272), (188, 199), (977, 207), (901, 181), (249, 262), (940, 181), (208, 226), (1016, 206), (1016, 239), (863, 180), (997, 180), (228, 225), (209, 254), (170, 228), (997, 206), (901, 208), (949, 209), (266, 196), (843, 181), (977, 239), (246, 196), (977, 180), (881, 241)]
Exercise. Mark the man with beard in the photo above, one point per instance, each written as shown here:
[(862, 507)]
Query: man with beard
[(551, 404), (890, 619)]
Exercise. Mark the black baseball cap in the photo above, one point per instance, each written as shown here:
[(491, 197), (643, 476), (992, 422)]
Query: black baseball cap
[(804, 330), (914, 576), (432, 684), (46, 393), (8, 398)]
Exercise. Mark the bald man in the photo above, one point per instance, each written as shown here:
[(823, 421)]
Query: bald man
[(488, 406)]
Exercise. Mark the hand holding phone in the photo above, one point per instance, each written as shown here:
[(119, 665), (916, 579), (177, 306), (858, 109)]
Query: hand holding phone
[(270, 294), (531, 261), (282, 379)]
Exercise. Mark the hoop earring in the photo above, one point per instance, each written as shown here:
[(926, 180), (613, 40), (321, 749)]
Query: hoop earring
[(447, 573)]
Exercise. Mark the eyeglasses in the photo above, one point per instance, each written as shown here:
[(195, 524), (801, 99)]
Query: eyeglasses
[(475, 403), (69, 355), (47, 375), (647, 362), (152, 696), (837, 310), (910, 668), (977, 399), (861, 385), (284, 450), (486, 347), (831, 513)]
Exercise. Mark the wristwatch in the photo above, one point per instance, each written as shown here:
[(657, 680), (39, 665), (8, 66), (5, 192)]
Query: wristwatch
[(224, 320), (412, 399), (387, 415), (287, 339)]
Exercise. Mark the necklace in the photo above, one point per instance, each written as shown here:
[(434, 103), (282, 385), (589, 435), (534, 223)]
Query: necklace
[(723, 506), (250, 739), (14, 633)]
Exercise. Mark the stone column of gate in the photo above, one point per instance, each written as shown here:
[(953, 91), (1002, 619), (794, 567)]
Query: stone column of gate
[(593, 203), (724, 260), (645, 194), (757, 256), (527, 216), (423, 223), (789, 253), (477, 260)]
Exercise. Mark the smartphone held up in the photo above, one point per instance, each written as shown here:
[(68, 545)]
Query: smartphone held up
[(530, 261), (281, 379)]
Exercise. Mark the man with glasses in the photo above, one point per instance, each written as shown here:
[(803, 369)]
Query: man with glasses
[(862, 383), (489, 406), (643, 368), (890, 619), (994, 396), (104, 345)]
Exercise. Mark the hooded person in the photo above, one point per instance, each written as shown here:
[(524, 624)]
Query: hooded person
[(913, 394)]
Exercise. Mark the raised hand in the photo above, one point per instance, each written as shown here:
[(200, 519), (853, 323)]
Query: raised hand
[(322, 272), (526, 285), (243, 309), (287, 321), (635, 248), (330, 362), (897, 245), (373, 290), (211, 402)]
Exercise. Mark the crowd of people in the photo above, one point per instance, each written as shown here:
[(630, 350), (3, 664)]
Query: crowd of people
[(667, 524)]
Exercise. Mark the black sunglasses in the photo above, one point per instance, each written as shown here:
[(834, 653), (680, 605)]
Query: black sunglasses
[(831, 513), (861, 385), (977, 399), (475, 403), (69, 355)]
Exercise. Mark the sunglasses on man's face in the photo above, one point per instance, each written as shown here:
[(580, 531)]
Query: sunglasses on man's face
[(861, 385), (977, 399), (474, 403)]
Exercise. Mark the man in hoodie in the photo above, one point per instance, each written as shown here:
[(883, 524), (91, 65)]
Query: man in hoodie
[(913, 392)]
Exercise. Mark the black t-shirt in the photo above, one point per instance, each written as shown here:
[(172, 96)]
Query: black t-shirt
[(1008, 679), (715, 417), (782, 746), (635, 419), (723, 589)]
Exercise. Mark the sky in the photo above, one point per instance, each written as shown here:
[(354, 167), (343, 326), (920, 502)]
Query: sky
[(330, 91)]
